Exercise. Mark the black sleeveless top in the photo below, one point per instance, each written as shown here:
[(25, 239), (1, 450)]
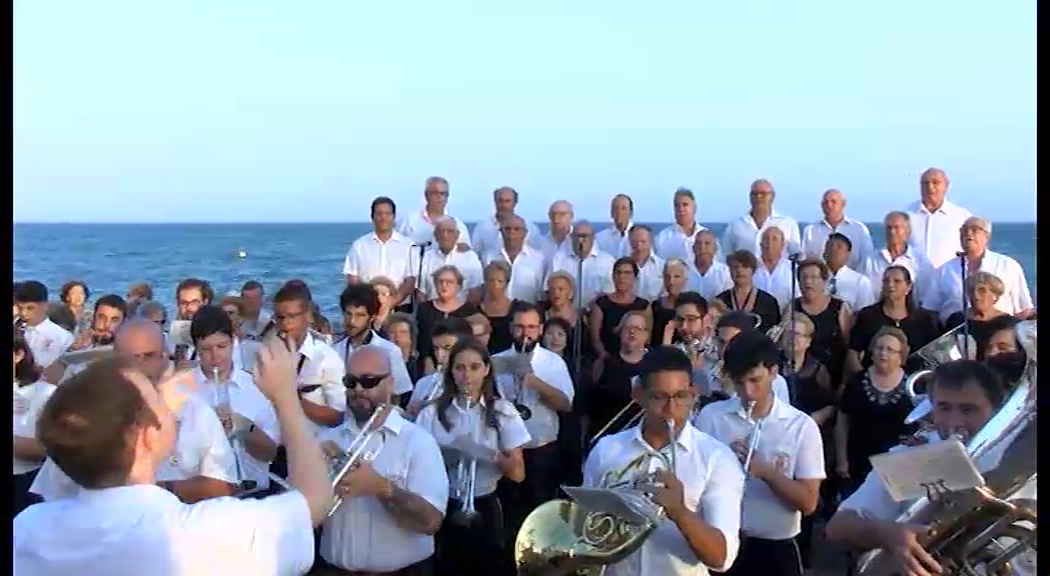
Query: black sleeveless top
[(827, 345), (661, 318), (806, 392)]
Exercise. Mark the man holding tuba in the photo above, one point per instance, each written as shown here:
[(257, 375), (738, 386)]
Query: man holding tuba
[(701, 498), (965, 395), (395, 494), (782, 452)]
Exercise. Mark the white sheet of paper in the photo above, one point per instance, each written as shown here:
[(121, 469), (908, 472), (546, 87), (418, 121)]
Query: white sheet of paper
[(180, 333), (906, 474)]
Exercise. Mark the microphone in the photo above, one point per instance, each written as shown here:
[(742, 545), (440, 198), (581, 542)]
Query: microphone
[(426, 244), (795, 257), (960, 254)]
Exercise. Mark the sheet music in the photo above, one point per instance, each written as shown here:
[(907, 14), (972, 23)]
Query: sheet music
[(628, 505), (912, 473)]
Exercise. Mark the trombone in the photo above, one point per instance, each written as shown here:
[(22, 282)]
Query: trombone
[(466, 484), (633, 421), (340, 466)]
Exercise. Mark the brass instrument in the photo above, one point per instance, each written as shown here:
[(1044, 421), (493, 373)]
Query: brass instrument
[(633, 421), (982, 531), (947, 347), (340, 466), (439, 385), (466, 488), (528, 349), (753, 437), (776, 332), (574, 537), (223, 407)]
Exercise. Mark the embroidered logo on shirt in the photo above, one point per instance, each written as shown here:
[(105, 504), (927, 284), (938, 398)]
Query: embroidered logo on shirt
[(780, 461)]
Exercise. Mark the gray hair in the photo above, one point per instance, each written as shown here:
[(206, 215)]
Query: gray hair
[(150, 307), (898, 214)]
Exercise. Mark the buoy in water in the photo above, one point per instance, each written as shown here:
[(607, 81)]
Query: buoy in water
[(241, 254)]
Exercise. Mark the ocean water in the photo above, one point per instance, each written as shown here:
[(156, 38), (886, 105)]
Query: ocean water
[(110, 257)]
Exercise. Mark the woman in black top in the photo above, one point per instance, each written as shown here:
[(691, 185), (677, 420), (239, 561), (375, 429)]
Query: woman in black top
[(561, 290), (401, 330), (612, 390), (831, 317), (609, 309), (662, 309), (448, 281), (496, 306), (895, 308), (570, 425), (744, 296), (983, 290), (872, 409)]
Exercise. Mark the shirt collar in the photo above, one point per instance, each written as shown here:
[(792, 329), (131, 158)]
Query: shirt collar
[(845, 220), (614, 230), (946, 208), (394, 237), (697, 228), (684, 440), (393, 422), (749, 219), (309, 347), (777, 412)]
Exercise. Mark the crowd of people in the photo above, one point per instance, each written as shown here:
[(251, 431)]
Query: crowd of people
[(477, 372)]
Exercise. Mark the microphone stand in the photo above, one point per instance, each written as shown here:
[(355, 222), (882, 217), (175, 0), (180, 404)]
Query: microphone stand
[(419, 277), (793, 259), (577, 337), (965, 307)]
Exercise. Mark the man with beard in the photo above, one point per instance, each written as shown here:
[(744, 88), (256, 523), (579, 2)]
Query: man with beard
[(190, 295), (200, 467), (395, 497), (109, 313), (360, 304)]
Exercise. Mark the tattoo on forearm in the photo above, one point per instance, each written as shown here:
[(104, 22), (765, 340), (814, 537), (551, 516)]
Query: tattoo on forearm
[(410, 510)]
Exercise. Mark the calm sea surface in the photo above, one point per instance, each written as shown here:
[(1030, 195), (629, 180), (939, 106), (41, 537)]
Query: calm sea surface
[(110, 257)]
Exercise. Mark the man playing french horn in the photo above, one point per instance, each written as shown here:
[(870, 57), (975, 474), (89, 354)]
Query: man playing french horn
[(394, 495), (700, 497)]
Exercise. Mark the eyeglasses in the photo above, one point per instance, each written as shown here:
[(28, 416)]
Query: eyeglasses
[(367, 381), (683, 397)]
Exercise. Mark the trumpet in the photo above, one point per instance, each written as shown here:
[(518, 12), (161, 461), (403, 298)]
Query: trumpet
[(439, 385), (222, 403), (466, 479), (340, 466), (754, 436)]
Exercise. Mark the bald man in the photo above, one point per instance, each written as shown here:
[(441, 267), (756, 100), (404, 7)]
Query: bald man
[(202, 464), (833, 204), (935, 222), (557, 239), (395, 500), (444, 252)]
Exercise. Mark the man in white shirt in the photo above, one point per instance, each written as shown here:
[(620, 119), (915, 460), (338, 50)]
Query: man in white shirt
[(596, 269), (700, 530), (614, 240), (833, 204), (254, 319), (775, 272), (382, 252), (107, 316), (649, 283), (782, 452), (707, 275), (731, 325), (190, 295), (122, 524), (745, 232), (965, 394), (528, 266), (395, 500), (934, 220), (201, 464), (46, 339), (897, 252), (486, 236), (557, 239), (946, 296), (444, 253), (676, 241), (360, 304), (419, 225), (844, 283)]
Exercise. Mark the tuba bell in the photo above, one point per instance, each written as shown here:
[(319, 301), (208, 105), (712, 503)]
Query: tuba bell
[(947, 347), (981, 530)]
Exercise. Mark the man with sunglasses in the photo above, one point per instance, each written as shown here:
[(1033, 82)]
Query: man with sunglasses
[(395, 498)]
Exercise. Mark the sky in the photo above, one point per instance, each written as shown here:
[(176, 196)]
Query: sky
[(268, 111)]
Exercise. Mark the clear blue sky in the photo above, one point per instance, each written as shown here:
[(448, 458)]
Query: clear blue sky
[(220, 110)]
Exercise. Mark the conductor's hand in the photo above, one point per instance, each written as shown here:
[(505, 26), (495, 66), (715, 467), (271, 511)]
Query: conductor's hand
[(909, 557), (275, 371), (667, 492)]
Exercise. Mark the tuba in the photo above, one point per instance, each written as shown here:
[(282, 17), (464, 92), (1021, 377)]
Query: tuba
[(579, 536), (982, 531), (947, 347)]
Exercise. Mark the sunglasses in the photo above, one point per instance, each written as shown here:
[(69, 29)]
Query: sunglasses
[(367, 382)]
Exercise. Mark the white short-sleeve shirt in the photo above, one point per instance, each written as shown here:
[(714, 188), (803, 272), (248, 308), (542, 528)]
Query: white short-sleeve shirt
[(613, 242), (744, 234), (323, 367), (936, 234), (362, 535), (922, 273), (486, 236), (527, 273), (713, 486), (468, 264), (144, 529), (945, 296), (851, 287), (776, 281), (550, 368), (790, 440), (674, 242), (597, 272), (29, 400), (48, 341), (398, 369), (650, 281), (418, 226), (370, 257), (714, 281), (816, 235), (512, 434)]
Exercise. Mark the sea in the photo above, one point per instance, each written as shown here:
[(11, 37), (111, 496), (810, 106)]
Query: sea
[(111, 257)]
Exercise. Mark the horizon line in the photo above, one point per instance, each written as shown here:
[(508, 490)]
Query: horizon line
[(350, 223)]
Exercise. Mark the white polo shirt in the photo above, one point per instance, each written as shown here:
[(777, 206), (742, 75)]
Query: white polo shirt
[(144, 529), (247, 400), (597, 273), (398, 370), (322, 366), (713, 486), (487, 237), (816, 235), (650, 281), (711, 283), (744, 234), (946, 296), (512, 434), (936, 234), (923, 274), (674, 242), (419, 227), (776, 281), (550, 368), (613, 242), (790, 440), (370, 257), (47, 341), (201, 449), (29, 400), (527, 273), (467, 263), (362, 535), (851, 287)]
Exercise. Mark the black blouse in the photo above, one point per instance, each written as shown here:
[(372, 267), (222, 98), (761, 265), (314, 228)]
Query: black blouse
[(610, 394), (427, 317), (876, 420), (980, 330), (500, 338), (661, 318), (920, 326), (766, 306), (826, 344)]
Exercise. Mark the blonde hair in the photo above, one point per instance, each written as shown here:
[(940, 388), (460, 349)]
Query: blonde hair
[(806, 323), (640, 314), (385, 282), (562, 275), (993, 282)]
